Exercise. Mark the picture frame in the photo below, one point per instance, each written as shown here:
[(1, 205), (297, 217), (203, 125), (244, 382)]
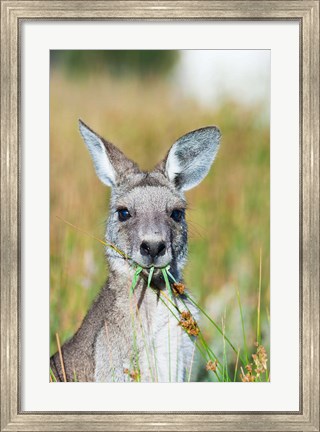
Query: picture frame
[(13, 13)]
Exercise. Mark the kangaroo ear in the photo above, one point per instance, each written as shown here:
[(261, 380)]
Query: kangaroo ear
[(190, 158), (109, 162)]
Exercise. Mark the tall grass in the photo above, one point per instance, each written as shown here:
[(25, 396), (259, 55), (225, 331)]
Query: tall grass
[(228, 213)]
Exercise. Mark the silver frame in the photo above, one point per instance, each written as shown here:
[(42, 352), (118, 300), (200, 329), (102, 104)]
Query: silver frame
[(304, 12)]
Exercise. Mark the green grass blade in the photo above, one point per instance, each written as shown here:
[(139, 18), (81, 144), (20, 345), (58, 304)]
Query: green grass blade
[(134, 362), (242, 325), (172, 277), (75, 379), (259, 301), (150, 276), (236, 367), (166, 279), (225, 374), (135, 278), (53, 375)]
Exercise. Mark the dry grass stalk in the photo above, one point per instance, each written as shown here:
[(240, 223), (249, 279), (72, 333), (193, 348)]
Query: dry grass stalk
[(105, 243), (61, 359)]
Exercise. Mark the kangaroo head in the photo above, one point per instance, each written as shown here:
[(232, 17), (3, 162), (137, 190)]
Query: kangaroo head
[(147, 209)]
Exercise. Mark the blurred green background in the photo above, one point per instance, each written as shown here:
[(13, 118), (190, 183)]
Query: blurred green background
[(140, 101)]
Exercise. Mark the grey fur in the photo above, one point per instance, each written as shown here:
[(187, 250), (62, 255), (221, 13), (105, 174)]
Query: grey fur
[(122, 332)]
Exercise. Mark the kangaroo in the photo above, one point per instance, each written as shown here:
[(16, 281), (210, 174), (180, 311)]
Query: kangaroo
[(136, 336)]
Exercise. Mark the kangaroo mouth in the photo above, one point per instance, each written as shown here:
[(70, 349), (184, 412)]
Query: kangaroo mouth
[(150, 264), (157, 281), (160, 277), (155, 266)]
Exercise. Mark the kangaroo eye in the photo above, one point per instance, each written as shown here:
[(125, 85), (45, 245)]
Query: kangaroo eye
[(177, 215), (123, 214)]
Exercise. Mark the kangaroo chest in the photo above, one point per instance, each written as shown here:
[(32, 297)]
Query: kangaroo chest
[(147, 344)]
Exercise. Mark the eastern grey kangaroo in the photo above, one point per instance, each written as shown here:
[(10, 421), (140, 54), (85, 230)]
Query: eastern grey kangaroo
[(129, 336)]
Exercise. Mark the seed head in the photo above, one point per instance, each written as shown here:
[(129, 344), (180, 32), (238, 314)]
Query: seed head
[(248, 377), (188, 323), (212, 365), (258, 367), (178, 288), (260, 360), (134, 374)]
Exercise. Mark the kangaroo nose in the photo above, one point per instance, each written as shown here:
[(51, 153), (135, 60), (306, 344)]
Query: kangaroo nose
[(152, 249)]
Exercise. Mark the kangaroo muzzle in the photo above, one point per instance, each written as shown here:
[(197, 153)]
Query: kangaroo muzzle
[(154, 253)]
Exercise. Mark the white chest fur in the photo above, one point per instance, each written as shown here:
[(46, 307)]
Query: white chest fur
[(152, 343), (172, 346)]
